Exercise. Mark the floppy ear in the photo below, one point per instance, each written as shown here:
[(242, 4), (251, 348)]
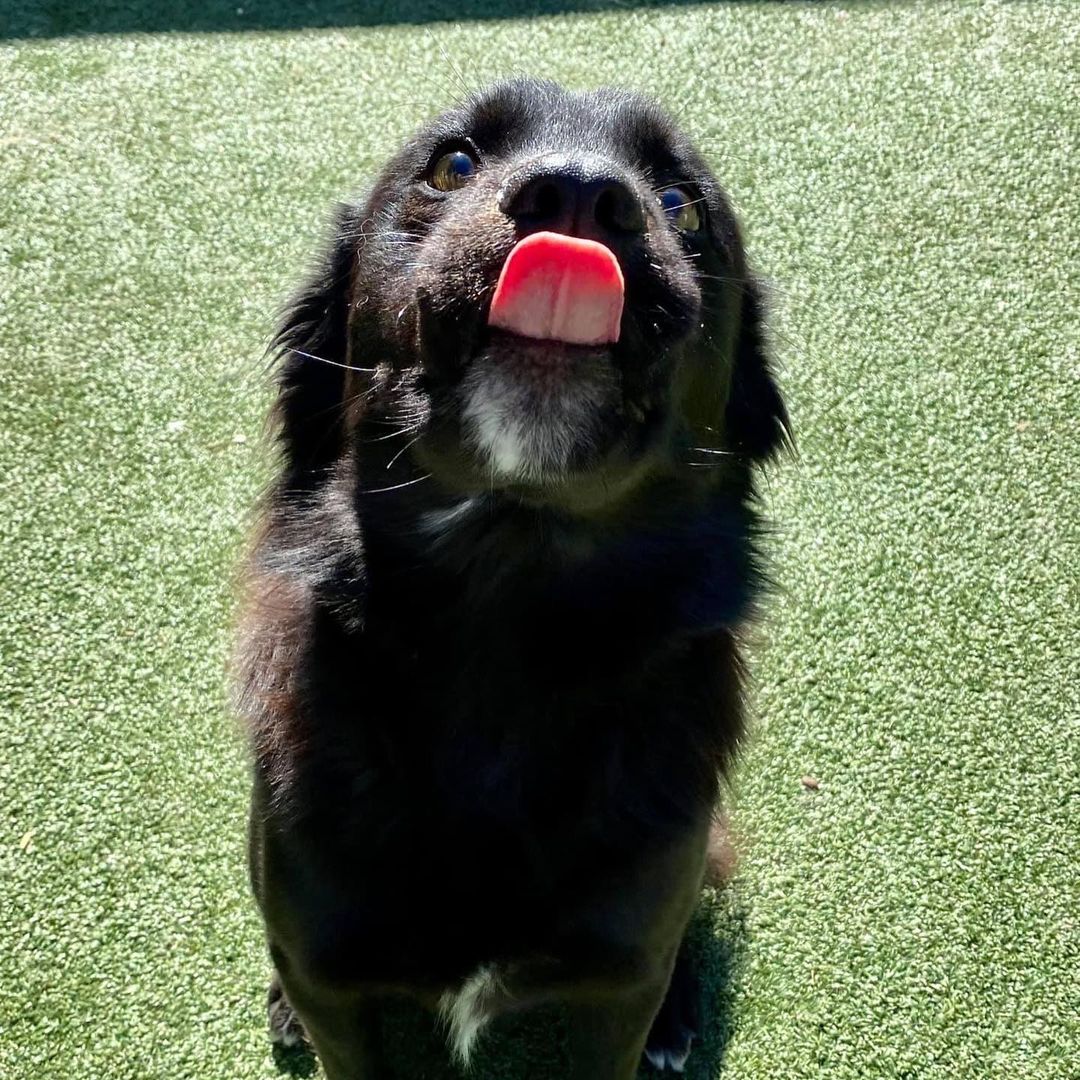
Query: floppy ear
[(756, 419), (312, 347)]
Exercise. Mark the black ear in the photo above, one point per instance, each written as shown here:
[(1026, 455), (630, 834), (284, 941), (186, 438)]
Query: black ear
[(756, 418), (312, 348)]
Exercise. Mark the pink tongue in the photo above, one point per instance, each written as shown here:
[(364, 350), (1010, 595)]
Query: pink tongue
[(560, 288)]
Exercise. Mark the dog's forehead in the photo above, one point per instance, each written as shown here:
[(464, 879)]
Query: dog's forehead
[(526, 116)]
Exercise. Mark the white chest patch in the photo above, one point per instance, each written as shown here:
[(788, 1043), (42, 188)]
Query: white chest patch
[(467, 1010)]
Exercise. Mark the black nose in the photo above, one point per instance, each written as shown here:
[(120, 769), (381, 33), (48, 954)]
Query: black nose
[(579, 196)]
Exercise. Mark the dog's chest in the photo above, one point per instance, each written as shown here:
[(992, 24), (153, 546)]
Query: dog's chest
[(508, 801)]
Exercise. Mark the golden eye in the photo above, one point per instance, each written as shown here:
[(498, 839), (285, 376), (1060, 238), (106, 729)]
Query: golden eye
[(452, 171), (683, 208)]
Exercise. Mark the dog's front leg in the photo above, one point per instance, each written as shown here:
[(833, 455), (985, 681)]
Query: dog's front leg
[(343, 1031), (607, 1035)]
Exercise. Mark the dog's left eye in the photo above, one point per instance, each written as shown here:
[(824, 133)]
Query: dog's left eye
[(682, 208), (452, 171)]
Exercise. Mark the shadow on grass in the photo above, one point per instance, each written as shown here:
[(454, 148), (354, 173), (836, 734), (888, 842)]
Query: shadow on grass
[(53, 18), (718, 937), (531, 1046), (297, 1061)]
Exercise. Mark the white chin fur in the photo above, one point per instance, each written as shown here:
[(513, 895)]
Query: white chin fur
[(528, 419)]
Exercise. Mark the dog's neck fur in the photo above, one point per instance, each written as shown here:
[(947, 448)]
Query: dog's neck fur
[(683, 560), (493, 637)]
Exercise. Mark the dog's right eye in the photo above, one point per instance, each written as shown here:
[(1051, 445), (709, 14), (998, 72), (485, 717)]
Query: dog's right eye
[(452, 171)]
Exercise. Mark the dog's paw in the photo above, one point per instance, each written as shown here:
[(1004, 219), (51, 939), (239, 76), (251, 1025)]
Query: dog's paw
[(286, 1030), (673, 1055), (677, 1023)]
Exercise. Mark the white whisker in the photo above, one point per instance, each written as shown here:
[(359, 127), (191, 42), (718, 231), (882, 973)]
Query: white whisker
[(395, 487), (412, 442), (332, 363)]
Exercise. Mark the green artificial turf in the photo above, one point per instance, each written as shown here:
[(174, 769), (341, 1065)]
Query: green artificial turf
[(907, 175)]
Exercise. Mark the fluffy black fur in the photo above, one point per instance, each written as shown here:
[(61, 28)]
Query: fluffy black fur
[(489, 707)]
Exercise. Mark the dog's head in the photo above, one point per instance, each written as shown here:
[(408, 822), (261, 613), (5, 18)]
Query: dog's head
[(545, 293)]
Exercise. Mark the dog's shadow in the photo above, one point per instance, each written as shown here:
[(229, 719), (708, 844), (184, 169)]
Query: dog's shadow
[(521, 1047), (294, 1061)]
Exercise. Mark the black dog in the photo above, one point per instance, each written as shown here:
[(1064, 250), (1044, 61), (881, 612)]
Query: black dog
[(490, 665)]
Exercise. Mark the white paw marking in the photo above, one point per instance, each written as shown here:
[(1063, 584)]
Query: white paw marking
[(657, 1058), (670, 1059), (678, 1061)]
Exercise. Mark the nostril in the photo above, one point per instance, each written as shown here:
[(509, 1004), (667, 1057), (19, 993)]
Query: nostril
[(606, 210), (617, 210), (547, 202)]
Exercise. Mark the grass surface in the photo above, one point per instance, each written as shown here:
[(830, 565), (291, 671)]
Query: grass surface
[(908, 178)]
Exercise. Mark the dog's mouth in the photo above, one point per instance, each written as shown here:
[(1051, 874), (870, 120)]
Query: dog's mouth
[(542, 397), (551, 385), (560, 289)]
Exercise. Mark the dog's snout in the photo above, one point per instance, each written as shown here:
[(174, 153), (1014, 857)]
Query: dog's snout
[(580, 197)]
